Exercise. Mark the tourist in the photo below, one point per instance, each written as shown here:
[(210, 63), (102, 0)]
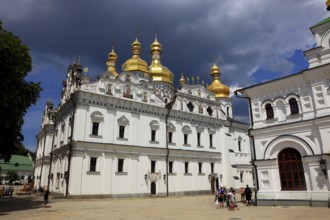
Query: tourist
[(46, 194), (242, 194), (248, 195), (232, 201), (221, 196)]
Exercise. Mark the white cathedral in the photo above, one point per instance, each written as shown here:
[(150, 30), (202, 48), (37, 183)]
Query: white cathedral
[(135, 134)]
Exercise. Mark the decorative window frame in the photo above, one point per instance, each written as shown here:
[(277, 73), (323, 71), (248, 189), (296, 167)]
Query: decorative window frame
[(97, 117), (123, 121), (171, 128), (199, 129), (154, 125), (97, 165), (124, 171), (297, 103), (186, 130), (264, 104)]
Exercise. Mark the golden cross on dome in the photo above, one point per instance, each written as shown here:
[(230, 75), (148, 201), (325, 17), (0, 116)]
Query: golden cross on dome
[(214, 58), (156, 32), (113, 44), (137, 31)]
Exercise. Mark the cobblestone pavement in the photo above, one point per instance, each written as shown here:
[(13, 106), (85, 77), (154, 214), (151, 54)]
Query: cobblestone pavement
[(185, 207)]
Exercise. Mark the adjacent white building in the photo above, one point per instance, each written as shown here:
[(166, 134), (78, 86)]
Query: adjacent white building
[(290, 125), (136, 134)]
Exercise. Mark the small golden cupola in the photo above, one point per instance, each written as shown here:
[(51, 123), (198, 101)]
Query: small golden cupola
[(158, 72), (111, 62), (135, 63), (182, 80), (220, 90)]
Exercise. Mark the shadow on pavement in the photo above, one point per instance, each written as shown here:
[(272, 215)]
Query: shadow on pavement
[(8, 204)]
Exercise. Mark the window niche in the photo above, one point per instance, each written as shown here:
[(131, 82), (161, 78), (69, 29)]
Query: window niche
[(121, 169), (293, 106), (96, 124), (186, 130), (211, 135), (199, 130), (122, 125), (154, 127), (171, 130), (190, 106), (209, 111), (269, 111), (93, 166)]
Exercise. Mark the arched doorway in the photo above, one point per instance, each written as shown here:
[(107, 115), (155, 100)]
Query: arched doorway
[(153, 188), (291, 170)]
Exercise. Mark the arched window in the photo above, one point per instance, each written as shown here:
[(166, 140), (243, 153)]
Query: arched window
[(269, 111), (293, 106), (291, 170)]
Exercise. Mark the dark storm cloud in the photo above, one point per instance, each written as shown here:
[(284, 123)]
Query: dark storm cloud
[(243, 35)]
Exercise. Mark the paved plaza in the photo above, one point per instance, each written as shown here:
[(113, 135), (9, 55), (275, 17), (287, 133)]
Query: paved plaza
[(184, 207)]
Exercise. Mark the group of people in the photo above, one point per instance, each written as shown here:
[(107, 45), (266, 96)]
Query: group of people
[(227, 198), (8, 191)]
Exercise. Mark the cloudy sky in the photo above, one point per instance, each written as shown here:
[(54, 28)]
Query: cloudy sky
[(253, 40)]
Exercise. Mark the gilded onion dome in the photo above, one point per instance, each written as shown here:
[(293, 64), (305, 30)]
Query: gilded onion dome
[(111, 62), (135, 63), (156, 70), (328, 5), (182, 80), (220, 90)]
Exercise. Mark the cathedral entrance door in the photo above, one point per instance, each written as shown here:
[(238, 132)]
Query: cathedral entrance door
[(212, 184), (153, 188)]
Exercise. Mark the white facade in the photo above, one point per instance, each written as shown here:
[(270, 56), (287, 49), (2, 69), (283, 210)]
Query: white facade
[(291, 116), (110, 138)]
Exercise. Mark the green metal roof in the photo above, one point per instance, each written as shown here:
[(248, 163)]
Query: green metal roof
[(17, 162), (322, 22)]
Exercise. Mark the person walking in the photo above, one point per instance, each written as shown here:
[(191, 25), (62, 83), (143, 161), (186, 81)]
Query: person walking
[(242, 191), (46, 194), (248, 195)]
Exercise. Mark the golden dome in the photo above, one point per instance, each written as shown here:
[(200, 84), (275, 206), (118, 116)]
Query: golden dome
[(182, 80), (111, 62), (220, 90), (135, 63), (156, 70), (328, 5)]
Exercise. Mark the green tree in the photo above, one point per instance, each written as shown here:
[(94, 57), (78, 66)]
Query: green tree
[(17, 95), (12, 176)]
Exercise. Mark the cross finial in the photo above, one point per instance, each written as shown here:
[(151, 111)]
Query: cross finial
[(79, 59), (156, 32), (113, 44), (214, 58), (137, 32), (74, 59), (197, 77)]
